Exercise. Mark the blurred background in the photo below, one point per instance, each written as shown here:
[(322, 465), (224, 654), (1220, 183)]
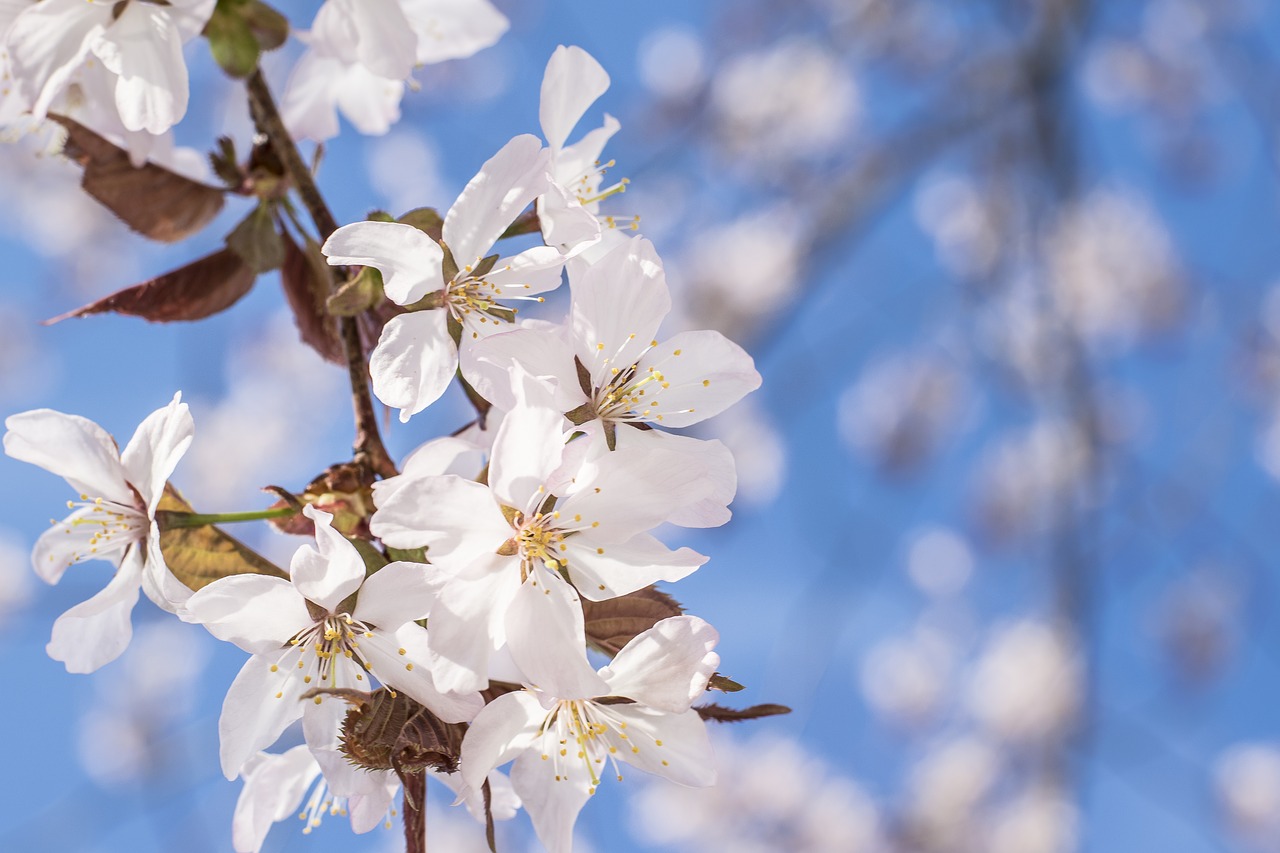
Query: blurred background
[(1006, 535)]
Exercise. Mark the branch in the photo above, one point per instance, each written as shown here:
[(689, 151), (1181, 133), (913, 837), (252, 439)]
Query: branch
[(368, 447)]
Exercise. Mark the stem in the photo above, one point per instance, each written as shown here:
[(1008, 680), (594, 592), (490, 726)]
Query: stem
[(201, 519), (415, 812), (368, 447)]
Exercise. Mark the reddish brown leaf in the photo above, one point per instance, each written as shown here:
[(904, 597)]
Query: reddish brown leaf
[(306, 286), (721, 714), (611, 624), (151, 200), (203, 287)]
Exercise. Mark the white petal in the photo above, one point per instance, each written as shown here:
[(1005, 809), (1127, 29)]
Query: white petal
[(572, 82), (334, 32), (468, 623), (564, 220), (256, 612), (327, 575), (504, 728), (504, 186), (453, 29), (385, 44), (531, 272), (411, 674), (503, 801), (449, 454), (371, 103), (618, 304), (581, 159), (253, 715), (97, 631), (159, 442), (369, 809), (398, 593), (704, 373), (48, 42), (553, 806), (144, 47), (71, 540), (414, 361), (74, 448), (546, 638), (460, 522), (528, 449), (488, 364), (408, 259), (604, 571), (719, 475), (686, 749), (667, 666), (309, 103), (274, 786)]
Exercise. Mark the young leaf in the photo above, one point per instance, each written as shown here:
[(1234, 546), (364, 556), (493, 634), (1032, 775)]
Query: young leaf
[(152, 200), (198, 556), (232, 40), (269, 27), (427, 220), (613, 623), (724, 684), (721, 714), (203, 287), (257, 241), (305, 278)]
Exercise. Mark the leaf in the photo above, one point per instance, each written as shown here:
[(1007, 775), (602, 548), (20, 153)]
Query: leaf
[(721, 714), (257, 241), (427, 220), (306, 287), (202, 288), (357, 295), (232, 40), (612, 624), (152, 200), (269, 27), (225, 164), (724, 684), (198, 556)]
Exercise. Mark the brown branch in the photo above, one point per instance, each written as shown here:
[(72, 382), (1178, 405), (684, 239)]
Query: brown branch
[(415, 812), (367, 447)]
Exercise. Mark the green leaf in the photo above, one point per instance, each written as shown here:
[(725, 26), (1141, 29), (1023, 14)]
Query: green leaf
[(373, 558), (198, 556), (407, 555), (231, 40), (257, 241), (612, 624), (357, 295), (724, 684), (425, 219)]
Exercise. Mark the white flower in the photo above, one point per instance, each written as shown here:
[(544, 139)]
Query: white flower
[(138, 43), (561, 739), (321, 86), (114, 520), (506, 548), (416, 357), (324, 628)]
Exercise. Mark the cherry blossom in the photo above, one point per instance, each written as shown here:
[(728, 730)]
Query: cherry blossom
[(113, 520), (561, 737)]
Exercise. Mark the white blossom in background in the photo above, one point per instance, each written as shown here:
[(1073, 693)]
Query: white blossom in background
[(759, 453), (765, 106), (963, 221), (1026, 478), (906, 679), (1113, 270), (902, 409), (939, 562), (946, 789), (1027, 684), (113, 520), (1038, 820), (129, 732), (1246, 779), (771, 795), (673, 62), (1200, 620)]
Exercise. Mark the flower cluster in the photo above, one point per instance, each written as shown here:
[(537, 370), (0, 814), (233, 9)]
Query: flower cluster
[(440, 619)]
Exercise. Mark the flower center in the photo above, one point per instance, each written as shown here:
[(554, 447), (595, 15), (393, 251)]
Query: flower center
[(473, 299), (109, 526), (329, 639), (582, 731), (540, 538)]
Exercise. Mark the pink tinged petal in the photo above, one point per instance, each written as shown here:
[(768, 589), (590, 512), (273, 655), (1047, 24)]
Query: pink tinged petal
[(256, 612), (259, 706), (667, 666), (48, 42), (503, 801), (504, 186), (274, 786), (488, 365), (684, 756), (410, 673), (144, 47), (456, 518), (565, 222), (74, 448), (309, 103), (703, 374), (527, 451), (603, 571), (159, 442), (414, 362), (505, 727), (553, 806), (531, 272), (398, 593), (546, 638), (321, 727), (453, 29), (618, 304), (573, 81), (329, 573), (468, 623), (408, 259), (371, 103), (719, 475), (97, 631)]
